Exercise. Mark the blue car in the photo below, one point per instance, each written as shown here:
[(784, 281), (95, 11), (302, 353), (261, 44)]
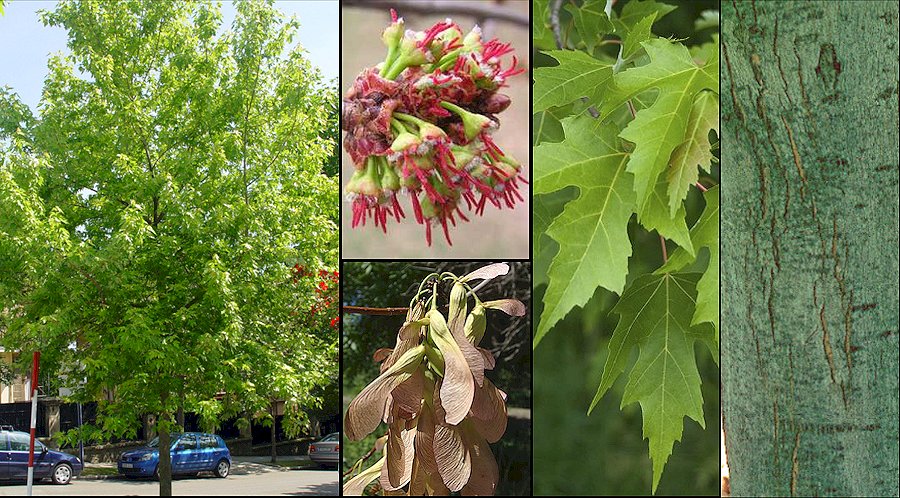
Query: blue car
[(48, 464), (192, 452)]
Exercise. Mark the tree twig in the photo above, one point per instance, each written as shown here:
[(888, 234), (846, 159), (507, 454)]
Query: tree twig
[(450, 7), (362, 310), (554, 23), (361, 460)]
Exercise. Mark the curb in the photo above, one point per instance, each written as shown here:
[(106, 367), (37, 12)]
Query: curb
[(98, 478)]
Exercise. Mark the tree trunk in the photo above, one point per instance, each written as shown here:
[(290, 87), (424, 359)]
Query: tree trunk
[(274, 446), (179, 415), (165, 459), (810, 247)]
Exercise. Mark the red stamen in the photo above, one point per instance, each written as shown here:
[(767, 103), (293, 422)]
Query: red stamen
[(460, 62), (446, 230), (494, 48), (454, 44), (513, 70), (433, 32), (393, 15), (398, 211), (417, 208)]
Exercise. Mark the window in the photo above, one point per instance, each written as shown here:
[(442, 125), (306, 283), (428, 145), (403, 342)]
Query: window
[(19, 441), (207, 441), (188, 442)]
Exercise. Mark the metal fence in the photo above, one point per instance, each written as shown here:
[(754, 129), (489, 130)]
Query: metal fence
[(18, 415)]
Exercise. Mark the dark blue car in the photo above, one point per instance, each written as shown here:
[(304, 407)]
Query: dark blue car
[(192, 452), (48, 464)]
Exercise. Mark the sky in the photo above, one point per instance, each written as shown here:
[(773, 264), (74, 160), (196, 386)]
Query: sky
[(25, 44)]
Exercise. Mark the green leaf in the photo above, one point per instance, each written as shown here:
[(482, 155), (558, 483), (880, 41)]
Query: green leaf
[(541, 31), (591, 231), (637, 10), (591, 21), (655, 216), (577, 75), (655, 315), (708, 19), (659, 129), (546, 208), (704, 233), (640, 33), (547, 126), (695, 151), (707, 51)]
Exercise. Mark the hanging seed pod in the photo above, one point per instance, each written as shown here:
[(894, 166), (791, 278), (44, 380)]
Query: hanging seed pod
[(441, 412)]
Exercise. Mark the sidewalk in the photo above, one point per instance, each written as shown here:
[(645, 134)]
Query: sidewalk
[(101, 471), (292, 462)]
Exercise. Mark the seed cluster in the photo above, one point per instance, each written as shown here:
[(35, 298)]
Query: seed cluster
[(420, 124), (441, 410)]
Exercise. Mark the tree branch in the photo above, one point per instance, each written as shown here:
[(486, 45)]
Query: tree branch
[(362, 310), (451, 7)]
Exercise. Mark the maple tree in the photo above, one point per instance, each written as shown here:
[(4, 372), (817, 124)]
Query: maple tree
[(625, 118), (149, 212)]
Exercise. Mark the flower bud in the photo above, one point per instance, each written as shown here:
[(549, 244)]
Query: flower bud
[(392, 35), (473, 123), (405, 141), (472, 41)]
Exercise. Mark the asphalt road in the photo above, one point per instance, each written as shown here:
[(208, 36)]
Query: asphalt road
[(246, 479)]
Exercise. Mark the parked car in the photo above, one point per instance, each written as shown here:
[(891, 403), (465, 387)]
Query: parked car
[(191, 453), (326, 450), (50, 464)]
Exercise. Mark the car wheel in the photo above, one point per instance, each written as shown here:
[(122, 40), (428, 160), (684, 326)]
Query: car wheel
[(156, 473), (62, 474), (222, 468)]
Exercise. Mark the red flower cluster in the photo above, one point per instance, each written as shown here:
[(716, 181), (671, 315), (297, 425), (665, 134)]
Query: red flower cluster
[(420, 124), (325, 285)]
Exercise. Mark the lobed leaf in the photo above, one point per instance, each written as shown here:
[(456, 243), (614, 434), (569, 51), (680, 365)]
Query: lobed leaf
[(657, 130), (577, 75), (695, 151), (591, 21), (704, 233), (655, 316), (592, 230)]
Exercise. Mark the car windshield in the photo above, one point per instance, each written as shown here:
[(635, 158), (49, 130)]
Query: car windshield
[(154, 443), (330, 437)]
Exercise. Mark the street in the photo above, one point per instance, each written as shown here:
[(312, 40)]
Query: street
[(246, 479)]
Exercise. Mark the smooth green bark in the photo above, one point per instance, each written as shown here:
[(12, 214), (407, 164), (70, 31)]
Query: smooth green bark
[(810, 247)]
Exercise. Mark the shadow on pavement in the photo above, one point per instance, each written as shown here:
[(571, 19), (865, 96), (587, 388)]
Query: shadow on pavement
[(248, 468), (325, 489)]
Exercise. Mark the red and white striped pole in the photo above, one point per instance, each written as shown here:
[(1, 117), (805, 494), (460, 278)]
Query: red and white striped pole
[(36, 358)]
